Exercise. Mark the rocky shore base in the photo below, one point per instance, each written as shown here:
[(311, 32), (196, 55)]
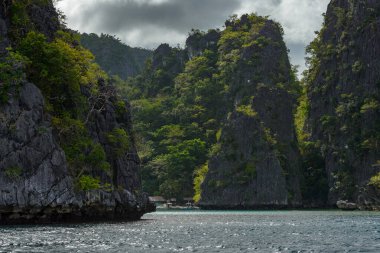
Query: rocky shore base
[(86, 210)]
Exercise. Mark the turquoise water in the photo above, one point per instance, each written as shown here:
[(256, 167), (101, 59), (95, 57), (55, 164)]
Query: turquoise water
[(207, 231)]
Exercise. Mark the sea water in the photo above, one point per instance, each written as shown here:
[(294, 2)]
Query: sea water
[(206, 231)]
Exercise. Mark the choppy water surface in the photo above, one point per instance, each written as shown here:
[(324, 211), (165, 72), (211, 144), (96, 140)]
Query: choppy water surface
[(198, 231)]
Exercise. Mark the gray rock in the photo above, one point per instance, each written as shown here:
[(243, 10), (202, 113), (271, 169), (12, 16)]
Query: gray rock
[(35, 181), (198, 42), (347, 78), (345, 205), (29, 180), (257, 165)]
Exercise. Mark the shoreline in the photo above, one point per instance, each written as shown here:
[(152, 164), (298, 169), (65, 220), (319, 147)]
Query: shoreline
[(332, 208)]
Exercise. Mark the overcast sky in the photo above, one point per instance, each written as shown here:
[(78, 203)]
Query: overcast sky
[(148, 23)]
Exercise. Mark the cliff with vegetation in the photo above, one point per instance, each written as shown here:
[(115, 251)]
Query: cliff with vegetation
[(339, 114), (227, 98), (67, 150), (255, 162), (223, 120), (115, 57)]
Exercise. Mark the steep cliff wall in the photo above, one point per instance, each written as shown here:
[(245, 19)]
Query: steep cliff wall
[(60, 166), (34, 173), (343, 119), (256, 162)]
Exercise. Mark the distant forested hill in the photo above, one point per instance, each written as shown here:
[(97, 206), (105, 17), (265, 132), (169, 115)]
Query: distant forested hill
[(115, 57)]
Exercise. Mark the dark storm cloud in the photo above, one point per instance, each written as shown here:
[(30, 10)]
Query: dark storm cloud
[(148, 23), (175, 15)]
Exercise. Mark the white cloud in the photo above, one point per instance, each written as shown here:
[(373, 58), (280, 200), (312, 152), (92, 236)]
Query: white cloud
[(299, 18), (147, 36)]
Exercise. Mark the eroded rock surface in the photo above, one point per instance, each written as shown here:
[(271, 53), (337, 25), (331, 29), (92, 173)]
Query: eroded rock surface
[(257, 165), (343, 92)]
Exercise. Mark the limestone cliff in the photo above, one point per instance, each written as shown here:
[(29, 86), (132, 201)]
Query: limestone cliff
[(343, 119), (256, 163), (198, 42), (38, 183), (34, 173)]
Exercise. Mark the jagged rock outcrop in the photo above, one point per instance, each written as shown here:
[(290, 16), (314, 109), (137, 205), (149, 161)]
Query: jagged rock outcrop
[(344, 205), (158, 76), (34, 175), (36, 179), (198, 42), (343, 93), (171, 59), (257, 162)]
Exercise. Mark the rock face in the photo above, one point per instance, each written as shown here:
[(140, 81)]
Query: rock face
[(34, 174), (344, 205), (198, 42), (343, 93), (168, 58), (257, 165), (36, 184)]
